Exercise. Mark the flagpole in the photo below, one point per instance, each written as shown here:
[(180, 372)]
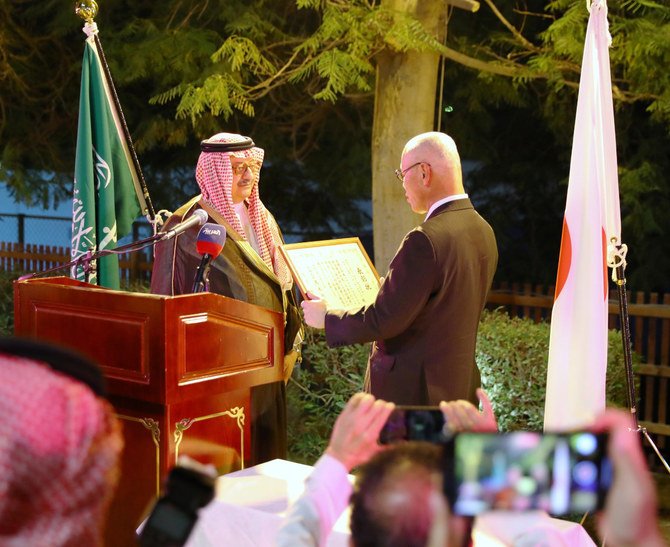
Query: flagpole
[(617, 261), (87, 10)]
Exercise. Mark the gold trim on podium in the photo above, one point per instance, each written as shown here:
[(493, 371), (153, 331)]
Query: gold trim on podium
[(237, 413), (153, 426)]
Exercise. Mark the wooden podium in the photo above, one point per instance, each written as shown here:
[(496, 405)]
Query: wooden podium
[(179, 373)]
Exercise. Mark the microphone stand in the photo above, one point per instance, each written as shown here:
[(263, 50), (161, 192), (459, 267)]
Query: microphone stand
[(201, 282), (86, 260)]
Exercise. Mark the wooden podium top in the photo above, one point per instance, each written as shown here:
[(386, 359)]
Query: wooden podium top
[(155, 348)]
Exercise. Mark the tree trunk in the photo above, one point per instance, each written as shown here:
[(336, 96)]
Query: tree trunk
[(404, 107)]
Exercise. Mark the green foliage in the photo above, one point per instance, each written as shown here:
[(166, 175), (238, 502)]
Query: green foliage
[(512, 357), (340, 71), (133, 285), (318, 391), (220, 94), (37, 119), (7, 302), (298, 76), (242, 52), (521, 149), (566, 34)]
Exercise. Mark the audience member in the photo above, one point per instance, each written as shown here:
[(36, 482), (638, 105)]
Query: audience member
[(462, 415), (398, 499), (390, 504), (352, 442), (59, 447), (630, 517)]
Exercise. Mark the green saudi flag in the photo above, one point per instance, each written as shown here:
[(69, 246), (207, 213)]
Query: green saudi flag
[(105, 203)]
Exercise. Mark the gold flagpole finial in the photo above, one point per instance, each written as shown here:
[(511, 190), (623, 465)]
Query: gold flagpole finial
[(86, 9)]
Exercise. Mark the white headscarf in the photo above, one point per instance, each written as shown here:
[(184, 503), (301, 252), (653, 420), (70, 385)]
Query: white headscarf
[(59, 451), (214, 175)]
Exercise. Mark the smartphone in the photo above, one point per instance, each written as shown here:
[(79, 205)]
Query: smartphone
[(414, 423), (561, 473), (167, 525), (189, 487)]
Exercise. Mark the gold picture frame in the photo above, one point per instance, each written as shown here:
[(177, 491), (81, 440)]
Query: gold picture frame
[(337, 270)]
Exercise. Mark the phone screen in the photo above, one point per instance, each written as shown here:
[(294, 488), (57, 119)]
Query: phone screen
[(167, 525), (559, 473), (413, 423)]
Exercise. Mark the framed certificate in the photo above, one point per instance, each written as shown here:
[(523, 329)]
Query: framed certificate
[(337, 270)]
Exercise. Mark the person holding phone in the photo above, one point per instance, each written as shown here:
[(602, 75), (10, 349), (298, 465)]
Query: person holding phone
[(630, 516), (399, 495), (354, 441), (424, 319)]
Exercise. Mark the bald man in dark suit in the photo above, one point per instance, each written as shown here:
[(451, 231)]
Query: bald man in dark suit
[(425, 317)]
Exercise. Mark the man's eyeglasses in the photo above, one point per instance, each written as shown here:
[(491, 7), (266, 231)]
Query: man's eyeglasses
[(401, 174), (241, 168)]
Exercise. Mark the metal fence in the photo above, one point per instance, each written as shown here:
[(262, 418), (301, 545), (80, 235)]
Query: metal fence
[(650, 337), (35, 229), (649, 313), (29, 229), (34, 243)]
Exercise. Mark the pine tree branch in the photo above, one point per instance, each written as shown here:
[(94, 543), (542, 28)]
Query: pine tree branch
[(509, 70), (515, 32)]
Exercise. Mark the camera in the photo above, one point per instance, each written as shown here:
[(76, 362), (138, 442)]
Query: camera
[(560, 473), (414, 423), (188, 488)]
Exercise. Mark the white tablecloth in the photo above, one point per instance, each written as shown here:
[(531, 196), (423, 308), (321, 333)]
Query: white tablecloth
[(527, 529), (250, 505)]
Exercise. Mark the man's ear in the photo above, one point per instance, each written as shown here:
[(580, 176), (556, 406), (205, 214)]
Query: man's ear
[(426, 175)]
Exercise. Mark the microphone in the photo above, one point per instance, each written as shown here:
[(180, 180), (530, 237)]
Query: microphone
[(210, 242), (198, 218)]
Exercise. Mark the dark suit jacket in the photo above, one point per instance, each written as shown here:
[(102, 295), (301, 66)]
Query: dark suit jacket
[(424, 320)]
